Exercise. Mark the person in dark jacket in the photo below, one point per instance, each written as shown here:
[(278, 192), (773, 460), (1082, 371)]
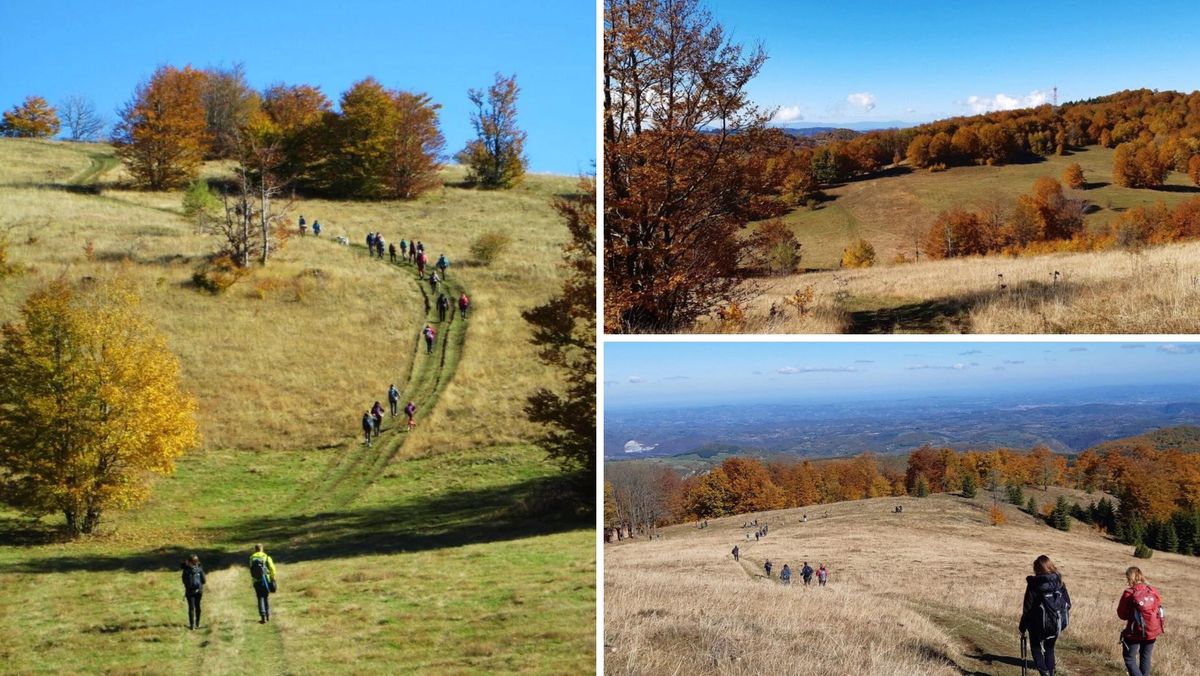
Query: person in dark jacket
[(785, 575), (368, 426), (193, 588), (767, 567), (392, 252), (443, 306), (1045, 582), (736, 553), (807, 572), (394, 399)]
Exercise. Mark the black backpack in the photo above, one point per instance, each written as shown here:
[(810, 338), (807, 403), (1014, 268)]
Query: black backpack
[(1052, 614), (195, 579), (258, 569)]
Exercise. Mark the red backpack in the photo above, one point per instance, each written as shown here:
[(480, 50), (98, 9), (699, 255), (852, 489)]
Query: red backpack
[(1146, 618)]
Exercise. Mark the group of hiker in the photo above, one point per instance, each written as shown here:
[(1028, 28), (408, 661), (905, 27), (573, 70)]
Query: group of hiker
[(807, 572), (316, 227), (262, 579), (372, 420), (1046, 614)]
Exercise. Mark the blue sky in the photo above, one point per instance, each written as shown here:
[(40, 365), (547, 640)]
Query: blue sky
[(102, 50), (670, 374), (920, 60)]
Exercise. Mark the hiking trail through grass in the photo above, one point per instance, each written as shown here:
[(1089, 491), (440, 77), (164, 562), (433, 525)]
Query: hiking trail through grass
[(355, 466)]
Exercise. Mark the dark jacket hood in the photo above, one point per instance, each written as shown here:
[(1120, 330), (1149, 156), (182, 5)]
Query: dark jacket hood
[(1044, 583)]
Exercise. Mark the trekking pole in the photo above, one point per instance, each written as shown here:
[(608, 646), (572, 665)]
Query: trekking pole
[(1024, 664)]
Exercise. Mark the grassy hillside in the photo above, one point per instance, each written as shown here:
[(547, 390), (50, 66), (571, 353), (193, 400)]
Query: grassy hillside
[(882, 209), (444, 549), (933, 590), (1152, 291)]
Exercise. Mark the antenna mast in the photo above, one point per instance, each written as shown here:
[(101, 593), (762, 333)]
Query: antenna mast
[(1056, 96)]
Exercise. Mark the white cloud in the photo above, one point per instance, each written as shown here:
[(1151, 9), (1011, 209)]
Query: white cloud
[(864, 101), (636, 379), (787, 114), (790, 370), (986, 104), (933, 367), (1190, 348)]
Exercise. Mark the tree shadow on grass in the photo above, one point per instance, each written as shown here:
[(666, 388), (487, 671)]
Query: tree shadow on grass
[(949, 314), (534, 507)]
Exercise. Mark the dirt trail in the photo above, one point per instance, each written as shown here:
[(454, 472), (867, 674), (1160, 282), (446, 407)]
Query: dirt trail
[(231, 639)]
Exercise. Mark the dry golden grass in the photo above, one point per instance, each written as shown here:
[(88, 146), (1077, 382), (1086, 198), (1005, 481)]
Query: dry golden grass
[(297, 366), (934, 590), (1154, 291)]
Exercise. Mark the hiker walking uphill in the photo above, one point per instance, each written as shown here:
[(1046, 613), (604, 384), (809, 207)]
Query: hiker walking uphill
[(434, 280), (443, 306), (421, 260), (368, 427), (767, 567), (404, 248), (316, 228), (410, 410), (736, 554), (1141, 608), (807, 573), (822, 575), (193, 588), (393, 399), (392, 252), (785, 575), (262, 576), (463, 304), (441, 264), (377, 417), (1045, 613), (430, 338)]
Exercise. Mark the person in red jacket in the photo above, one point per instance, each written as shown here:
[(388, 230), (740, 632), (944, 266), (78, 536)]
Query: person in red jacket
[(1141, 608)]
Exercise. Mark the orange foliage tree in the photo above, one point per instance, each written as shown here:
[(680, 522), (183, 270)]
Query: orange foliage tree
[(1139, 164), (33, 118), (161, 135), (678, 130), (1073, 176)]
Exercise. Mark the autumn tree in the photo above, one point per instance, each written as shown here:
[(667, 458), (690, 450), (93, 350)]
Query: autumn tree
[(90, 404), (773, 248), (495, 158), (956, 232), (230, 104), (80, 119), (386, 143), (860, 254), (1057, 216), (678, 130), (161, 135), (33, 118), (300, 118), (1193, 169), (1073, 176), (918, 151), (564, 330), (1139, 164)]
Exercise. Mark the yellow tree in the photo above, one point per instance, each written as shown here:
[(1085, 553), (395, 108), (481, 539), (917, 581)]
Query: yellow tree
[(1073, 176), (162, 134), (496, 157), (90, 404), (32, 119)]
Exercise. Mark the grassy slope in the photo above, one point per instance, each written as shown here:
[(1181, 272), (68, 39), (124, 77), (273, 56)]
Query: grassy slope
[(434, 547), (877, 209), (1109, 292), (934, 590)]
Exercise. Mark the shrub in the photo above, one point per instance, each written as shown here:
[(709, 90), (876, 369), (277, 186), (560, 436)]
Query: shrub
[(489, 246), (1141, 551), (1032, 506), (922, 488), (217, 274), (1016, 494), (199, 203), (773, 248), (859, 255), (1073, 176), (996, 516), (968, 486)]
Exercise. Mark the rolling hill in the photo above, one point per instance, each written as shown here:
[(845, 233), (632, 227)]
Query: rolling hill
[(448, 549), (932, 590)]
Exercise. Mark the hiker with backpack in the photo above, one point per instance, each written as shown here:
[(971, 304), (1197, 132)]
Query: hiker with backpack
[(1045, 613), (822, 575), (443, 306), (404, 248), (316, 228), (767, 567), (463, 304), (392, 252), (410, 410), (1141, 608), (785, 575), (442, 263), (377, 417), (193, 588), (430, 337), (736, 554), (303, 227), (393, 399), (368, 426), (421, 264), (807, 572), (262, 576), (434, 280), (370, 243)]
